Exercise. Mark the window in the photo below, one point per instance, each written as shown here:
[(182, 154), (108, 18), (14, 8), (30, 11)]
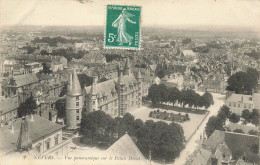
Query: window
[(77, 110), (234, 104), (77, 104), (56, 138), (244, 105), (249, 106), (229, 104), (93, 102), (223, 155), (77, 97), (48, 142), (77, 118), (238, 105), (38, 147)]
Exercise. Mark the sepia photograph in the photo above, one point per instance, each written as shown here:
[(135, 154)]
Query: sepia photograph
[(129, 82)]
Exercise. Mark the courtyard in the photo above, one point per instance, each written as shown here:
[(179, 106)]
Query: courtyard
[(189, 127)]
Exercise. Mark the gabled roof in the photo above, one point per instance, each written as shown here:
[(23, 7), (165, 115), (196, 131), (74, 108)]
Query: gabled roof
[(125, 147), (202, 157)]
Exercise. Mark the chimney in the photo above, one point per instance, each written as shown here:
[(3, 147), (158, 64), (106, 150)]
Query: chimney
[(24, 142)]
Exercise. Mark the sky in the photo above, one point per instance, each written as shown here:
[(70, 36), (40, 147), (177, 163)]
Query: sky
[(174, 13)]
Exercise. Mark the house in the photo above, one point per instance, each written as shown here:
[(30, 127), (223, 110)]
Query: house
[(34, 135), (21, 85), (58, 63), (8, 109), (228, 148), (238, 102), (34, 67)]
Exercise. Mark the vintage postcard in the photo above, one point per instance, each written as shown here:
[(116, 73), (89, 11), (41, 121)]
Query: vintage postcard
[(126, 82)]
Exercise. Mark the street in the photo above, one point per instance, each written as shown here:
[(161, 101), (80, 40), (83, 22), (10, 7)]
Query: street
[(191, 144)]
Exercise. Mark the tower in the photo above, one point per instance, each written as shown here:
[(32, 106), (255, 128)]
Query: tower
[(127, 69), (93, 101), (140, 94), (74, 102), (122, 98)]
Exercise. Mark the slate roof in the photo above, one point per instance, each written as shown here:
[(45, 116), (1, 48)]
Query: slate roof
[(107, 88), (202, 158), (236, 143), (240, 98), (125, 147), (75, 86), (38, 128), (8, 104), (24, 79)]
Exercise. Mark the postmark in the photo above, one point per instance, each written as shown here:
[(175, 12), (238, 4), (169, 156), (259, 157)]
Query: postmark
[(123, 29)]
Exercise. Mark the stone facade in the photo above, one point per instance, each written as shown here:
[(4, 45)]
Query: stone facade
[(116, 96)]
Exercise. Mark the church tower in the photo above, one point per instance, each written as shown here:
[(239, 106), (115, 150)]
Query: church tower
[(93, 101), (74, 102), (140, 90)]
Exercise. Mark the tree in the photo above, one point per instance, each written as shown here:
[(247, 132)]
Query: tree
[(95, 126), (158, 93), (243, 82), (223, 113), (207, 99), (28, 107), (160, 74), (85, 80), (246, 114), (46, 69), (214, 123), (61, 108), (255, 117), (173, 95), (153, 93), (234, 118), (173, 43), (164, 141), (238, 131), (186, 40)]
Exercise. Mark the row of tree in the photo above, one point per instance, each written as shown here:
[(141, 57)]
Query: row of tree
[(53, 41), (165, 141), (160, 93)]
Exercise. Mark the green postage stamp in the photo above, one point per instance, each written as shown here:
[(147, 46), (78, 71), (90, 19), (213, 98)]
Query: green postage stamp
[(123, 27)]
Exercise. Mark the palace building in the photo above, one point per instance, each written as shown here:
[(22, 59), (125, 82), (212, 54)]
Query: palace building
[(116, 96)]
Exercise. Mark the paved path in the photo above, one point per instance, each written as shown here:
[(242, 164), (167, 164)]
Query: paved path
[(191, 145)]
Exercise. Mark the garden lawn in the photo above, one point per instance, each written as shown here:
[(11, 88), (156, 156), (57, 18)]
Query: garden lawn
[(188, 126)]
